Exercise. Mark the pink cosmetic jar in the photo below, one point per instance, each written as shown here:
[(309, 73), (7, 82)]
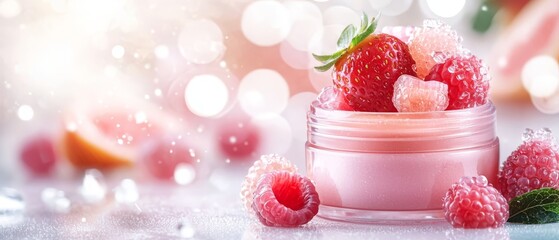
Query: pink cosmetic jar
[(374, 166)]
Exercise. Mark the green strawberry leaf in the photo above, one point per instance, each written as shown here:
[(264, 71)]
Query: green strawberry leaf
[(326, 66), (535, 207), (364, 22), (348, 39), (345, 39), (370, 29), (328, 58)]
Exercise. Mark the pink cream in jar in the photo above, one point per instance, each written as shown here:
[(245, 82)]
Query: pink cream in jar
[(375, 166)]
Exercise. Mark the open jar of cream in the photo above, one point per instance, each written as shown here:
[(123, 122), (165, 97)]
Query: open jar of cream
[(378, 166)]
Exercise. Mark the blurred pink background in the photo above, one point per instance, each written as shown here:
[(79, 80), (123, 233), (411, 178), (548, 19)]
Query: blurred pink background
[(214, 65)]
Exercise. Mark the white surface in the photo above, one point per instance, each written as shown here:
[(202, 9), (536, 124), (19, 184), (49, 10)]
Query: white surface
[(218, 215)]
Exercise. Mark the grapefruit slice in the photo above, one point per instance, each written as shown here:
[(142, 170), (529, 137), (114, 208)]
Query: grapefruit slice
[(107, 136)]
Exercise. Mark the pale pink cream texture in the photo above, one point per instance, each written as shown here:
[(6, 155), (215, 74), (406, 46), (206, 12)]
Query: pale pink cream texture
[(398, 161)]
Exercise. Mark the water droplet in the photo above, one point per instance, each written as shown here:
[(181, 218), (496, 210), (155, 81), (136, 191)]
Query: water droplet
[(55, 200), (12, 206), (93, 188), (127, 192), (186, 229), (432, 23), (543, 134), (451, 69), (439, 57), (464, 95), (527, 135), (184, 174)]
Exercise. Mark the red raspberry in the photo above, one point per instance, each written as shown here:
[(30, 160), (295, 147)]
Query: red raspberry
[(238, 139), (284, 199), (162, 154), (533, 165), (473, 203), (467, 79), (38, 155), (266, 164)]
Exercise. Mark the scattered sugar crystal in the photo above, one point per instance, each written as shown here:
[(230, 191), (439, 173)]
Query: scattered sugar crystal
[(403, 33), (412, 94), (186, 229), (55, 200), (543, 134), (93, 188), (12, 206), (127, 191), (435, 36), (331, 98), (439, 57)]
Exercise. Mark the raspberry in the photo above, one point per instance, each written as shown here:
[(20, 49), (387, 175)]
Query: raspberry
[(467, 79), (331, 98), (38, 155), (473, 203), (284, 199), (435, 36), (412, 94), (162, 154), (265, 164), (238, 139), (533, 165)]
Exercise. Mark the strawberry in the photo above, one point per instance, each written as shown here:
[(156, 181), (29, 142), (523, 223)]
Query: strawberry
[(367, 65)]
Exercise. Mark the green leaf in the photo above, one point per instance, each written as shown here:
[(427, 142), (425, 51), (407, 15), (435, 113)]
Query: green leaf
[(326, 66), (483, 19), (535, 207), (362, 35), (329, 58), (364, 22), (348, 39), (345, 39), (322, 58)]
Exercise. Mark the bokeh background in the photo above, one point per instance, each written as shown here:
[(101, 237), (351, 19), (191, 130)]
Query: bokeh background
[(172, 100), (232, 72)]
